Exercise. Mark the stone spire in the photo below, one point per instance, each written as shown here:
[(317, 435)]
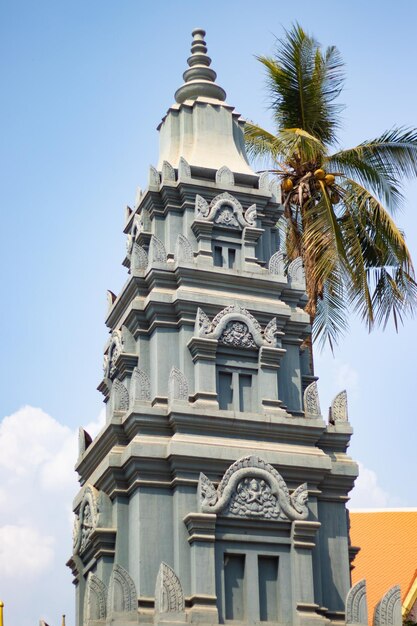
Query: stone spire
[(199, 79)]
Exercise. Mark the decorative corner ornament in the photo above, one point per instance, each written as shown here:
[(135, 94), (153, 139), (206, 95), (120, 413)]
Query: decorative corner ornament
[(169, 596), (338, 411), (224, 176), (388, 610), (252, 488), (311, 401), (356, 604)]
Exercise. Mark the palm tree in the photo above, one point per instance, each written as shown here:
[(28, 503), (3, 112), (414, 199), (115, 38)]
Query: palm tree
[(338, 204)]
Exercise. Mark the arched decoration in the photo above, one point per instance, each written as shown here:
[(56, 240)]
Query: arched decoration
[(183, 249), (169, 596), (157, 250), (296, 272), (120, 396), (138, 196), (311, 401), (184, 169), (252, 488), (86, 520), (122, 596), (168, 172), (225, 210), (388, 610), (154, 179), (94, 600), (140, 386), (339, 410), (224, 176), (233, 325), (356, 604), (276, 264), (140, 259), (177, 386)]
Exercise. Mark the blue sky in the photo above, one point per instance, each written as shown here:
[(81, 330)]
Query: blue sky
[(84, 86)]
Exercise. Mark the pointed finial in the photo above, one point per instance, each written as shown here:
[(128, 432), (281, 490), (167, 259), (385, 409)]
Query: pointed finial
[(199, 79), (1, 612), (63, 620)]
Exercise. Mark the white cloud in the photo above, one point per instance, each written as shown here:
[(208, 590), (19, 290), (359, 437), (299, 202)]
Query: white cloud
[(367, 493), (38, 484), (24, 550)]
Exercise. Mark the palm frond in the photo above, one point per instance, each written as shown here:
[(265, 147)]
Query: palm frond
[(303, 84)]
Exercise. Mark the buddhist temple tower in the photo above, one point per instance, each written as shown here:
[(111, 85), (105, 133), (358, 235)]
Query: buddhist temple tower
[(216, 491)]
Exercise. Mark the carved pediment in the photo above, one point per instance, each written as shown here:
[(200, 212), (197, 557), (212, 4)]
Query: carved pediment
[(237, 327), (225, 210), (94, 600), (169, 596), (252, 488)]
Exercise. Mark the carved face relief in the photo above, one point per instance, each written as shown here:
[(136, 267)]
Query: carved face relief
[(226, 216), (237, 334)]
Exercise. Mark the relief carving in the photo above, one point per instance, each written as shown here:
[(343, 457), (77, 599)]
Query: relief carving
[(388, 610), (139, 258), (122, 596), (177, 386), (183, 249), (276, 264), (339, 410), (225, 210), (252, 488), (311, 401), (157, 250), (237, 334), (86, 520), (120, 396), (168, 172), (356, 604), (169, 597), (154, 179), (184, 170), (224, 176), (271, 332), (140, 386), (95, 599), (263, 183), (296, 271)]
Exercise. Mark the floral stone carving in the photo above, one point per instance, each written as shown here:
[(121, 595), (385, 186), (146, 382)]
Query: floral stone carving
[(224, 176), (183, 249), (169, 597), (139, 258), (251, 487), (168, 172), (120, 396), (157, 250)]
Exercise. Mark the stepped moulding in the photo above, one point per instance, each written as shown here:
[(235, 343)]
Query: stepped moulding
[(225, 210), (251, 487)]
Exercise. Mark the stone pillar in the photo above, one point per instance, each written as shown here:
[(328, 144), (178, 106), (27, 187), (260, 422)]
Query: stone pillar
[(201, 529), (269, 363), (203, 352), (303, 542)]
